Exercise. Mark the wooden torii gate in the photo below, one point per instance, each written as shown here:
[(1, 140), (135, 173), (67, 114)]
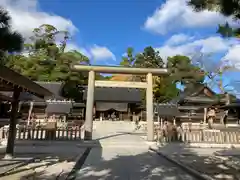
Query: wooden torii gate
[(92, 83)]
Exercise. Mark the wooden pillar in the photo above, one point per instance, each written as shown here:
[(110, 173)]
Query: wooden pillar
[(205, 116), (149, 99), (161, 123), (30, 113), (12, 126), (83, 116), (101, 116), (121, 116), (129, 113), (89, 108), (174, 121)]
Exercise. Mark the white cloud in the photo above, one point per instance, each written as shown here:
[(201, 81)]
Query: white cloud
[(233, 56), (94, 53), (227, 50), (26, 16), (175, 14), (208, 45), (179, 39), (101, 53), (72, 46)]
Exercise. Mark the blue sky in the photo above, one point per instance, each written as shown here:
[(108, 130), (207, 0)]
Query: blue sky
[(103, 30), (114, 24)]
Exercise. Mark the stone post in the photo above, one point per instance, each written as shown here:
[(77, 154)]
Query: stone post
[(149, 99), (88, 125)]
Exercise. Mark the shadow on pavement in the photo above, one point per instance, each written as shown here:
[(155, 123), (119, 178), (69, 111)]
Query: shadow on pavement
[(44, 162), (119, 163), (208, 161), (112, 135)]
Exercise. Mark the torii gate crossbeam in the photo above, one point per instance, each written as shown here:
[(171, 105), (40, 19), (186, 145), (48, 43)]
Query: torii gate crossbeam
[(149, 72)]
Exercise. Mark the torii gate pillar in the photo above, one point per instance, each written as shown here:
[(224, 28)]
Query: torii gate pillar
[(149, 108), (88, 125)]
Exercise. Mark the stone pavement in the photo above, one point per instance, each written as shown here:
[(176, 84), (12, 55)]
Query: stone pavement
[(124, 155), (49, 161), (207, 161), (128, 163)]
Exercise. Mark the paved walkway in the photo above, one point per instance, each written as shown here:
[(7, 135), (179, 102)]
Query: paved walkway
[(211, 162), (49, 162), (123, 155)]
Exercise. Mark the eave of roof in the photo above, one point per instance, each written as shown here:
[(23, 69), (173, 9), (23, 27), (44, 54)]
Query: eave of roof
[(229, 106), (201, 88), (78, 104), (13, 78), (196, 108), (202, 100), (5, 97)]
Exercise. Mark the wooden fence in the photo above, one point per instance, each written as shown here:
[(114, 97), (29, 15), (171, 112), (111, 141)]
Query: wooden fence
[(44, 134), (205, 136), (218, 137)]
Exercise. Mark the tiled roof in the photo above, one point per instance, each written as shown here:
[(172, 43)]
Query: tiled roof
[(166, 109), (58, 106), (116, 94), (54, 87), (61, 108)]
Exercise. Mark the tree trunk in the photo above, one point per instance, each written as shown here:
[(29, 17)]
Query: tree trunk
[(13, 122)]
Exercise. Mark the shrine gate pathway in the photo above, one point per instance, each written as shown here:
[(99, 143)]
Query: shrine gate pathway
[(122, 154)]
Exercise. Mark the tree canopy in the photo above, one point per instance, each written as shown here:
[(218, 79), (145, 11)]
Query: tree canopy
[(10, 41), (226, 7), (181, 71), (184, 72), (44, 59), (229, 8)]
